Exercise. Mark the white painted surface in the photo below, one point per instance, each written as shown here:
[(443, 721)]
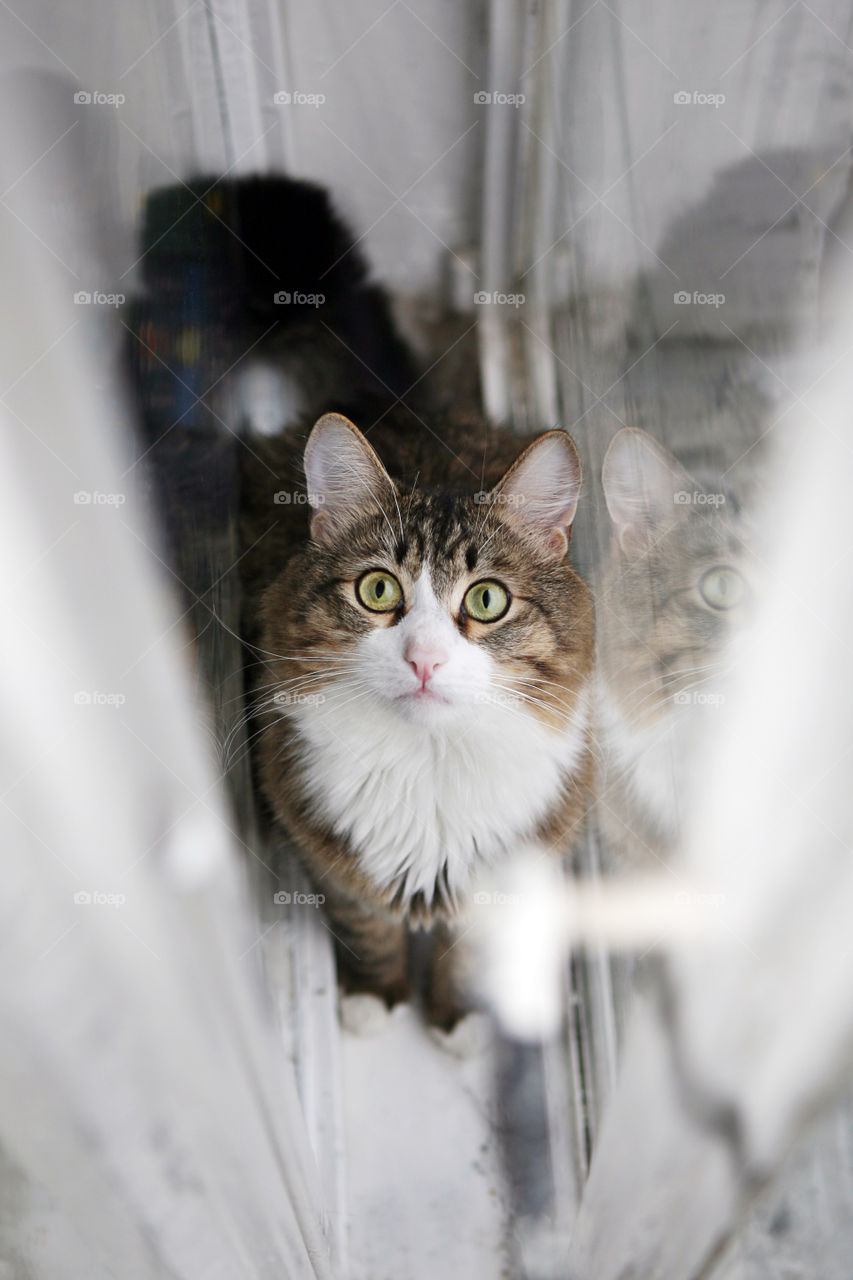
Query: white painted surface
[(423, 1164), (144, 1094)]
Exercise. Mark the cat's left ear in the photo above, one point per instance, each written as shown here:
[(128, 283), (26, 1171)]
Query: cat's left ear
[(539, 493), (344, 477)]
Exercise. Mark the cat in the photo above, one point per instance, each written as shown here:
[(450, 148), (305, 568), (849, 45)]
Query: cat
[(675, 589), (421, 647)]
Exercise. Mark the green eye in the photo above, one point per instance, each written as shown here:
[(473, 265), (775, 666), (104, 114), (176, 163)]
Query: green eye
[(722, 588), (486, 601), (379, 591)]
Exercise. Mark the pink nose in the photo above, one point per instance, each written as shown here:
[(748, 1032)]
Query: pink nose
[(425, 660)]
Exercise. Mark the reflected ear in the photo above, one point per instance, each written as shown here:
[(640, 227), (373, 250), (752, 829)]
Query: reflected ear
[(344, 477), (646, 490), (539, 493)]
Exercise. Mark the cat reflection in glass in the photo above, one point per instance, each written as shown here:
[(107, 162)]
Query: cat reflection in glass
[(671, 596)]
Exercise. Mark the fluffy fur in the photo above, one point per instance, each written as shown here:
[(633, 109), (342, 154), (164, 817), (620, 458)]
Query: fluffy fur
[(428, 796), (397, 799)]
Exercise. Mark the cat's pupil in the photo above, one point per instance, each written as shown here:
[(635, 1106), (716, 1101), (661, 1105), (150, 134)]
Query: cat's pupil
[(380, 589), (487, 595)]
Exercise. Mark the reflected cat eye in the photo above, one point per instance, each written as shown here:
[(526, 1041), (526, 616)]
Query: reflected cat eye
[(722, 588), (486, 601), (378, 591)]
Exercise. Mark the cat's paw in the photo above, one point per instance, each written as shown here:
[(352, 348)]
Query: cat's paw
[(471, 1036), (364, 1014)]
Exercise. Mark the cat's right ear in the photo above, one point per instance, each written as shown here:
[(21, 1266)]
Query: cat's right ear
[(645, 488), (344, 477)]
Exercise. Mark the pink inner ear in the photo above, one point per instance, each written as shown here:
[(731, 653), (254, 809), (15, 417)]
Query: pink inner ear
[(541, 490), (322, 529), (558, 541), (343, 475)]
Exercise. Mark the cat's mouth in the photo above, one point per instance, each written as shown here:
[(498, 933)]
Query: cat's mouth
[(425, 696), (426, 705)]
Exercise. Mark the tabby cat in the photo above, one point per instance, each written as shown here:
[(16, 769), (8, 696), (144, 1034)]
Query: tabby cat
[(674, 590), (422, 653)]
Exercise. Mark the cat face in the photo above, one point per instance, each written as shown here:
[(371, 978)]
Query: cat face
[(423, 664), (433, 607), (678, 584)]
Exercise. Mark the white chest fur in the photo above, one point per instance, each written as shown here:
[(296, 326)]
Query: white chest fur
[(414, 800)]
